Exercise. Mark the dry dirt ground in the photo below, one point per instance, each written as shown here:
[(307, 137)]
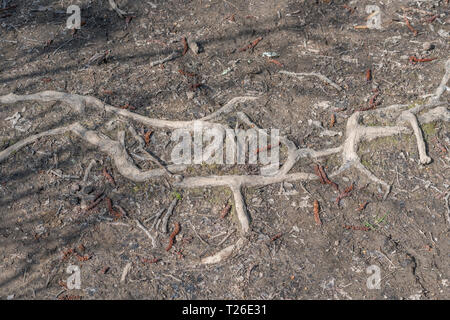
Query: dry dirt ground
[(287, 255)]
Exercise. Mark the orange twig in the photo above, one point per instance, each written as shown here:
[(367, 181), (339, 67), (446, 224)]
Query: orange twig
[(316, 213), (410, 27), (109, 177), (414, 59), (316, 168), (224, 212), (82, 258), (349, 9), (251, 45), (368, 75), (344, 194), (332, 120), (372, 102), (67, 254), (195, 86), (147, 137), (323, 177), (173, 235), (278, 63), (155, 260), (128, 106), (96, 201), (185, 45), (187, 74), (362, 206), (111, 210), (276, 237)]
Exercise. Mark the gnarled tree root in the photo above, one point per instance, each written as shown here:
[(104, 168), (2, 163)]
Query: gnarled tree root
[(355, 134)]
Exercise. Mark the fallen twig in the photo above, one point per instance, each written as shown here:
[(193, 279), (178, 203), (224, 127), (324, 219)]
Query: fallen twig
[(325, 178), (157, 216), (224, 212), (226, 238), (170, 57), (198, 236), (251, 45), (349, 9), (140, 226), (447, 214), (109, 177), (414, 59), (368, 75), (88, 170), (147, 137), (276, 237), (312, 74), (278, 63), (344, 194), (316, 213), (175, 231), (113, 5), (332, 120), (114, 213), (125, 272), (362, 206), (185, 46), (169, 212), (410, 27), (96, 201)]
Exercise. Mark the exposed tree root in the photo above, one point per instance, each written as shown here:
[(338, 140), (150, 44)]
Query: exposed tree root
[(312, 74), (355, 134), (224, 253)]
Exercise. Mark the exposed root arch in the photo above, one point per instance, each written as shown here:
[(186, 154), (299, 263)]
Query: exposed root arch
[(405, 122)]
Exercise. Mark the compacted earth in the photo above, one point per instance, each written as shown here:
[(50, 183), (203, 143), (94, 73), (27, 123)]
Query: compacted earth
[(58, 217)]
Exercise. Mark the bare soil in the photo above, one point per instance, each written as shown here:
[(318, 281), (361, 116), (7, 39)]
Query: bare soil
[(287, 256)]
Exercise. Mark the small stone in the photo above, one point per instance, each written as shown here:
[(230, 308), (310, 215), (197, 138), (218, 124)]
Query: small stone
[(75, 187), (194, 47), (190, 95), (427, 46)]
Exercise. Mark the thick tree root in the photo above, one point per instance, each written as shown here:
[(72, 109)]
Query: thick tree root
[(355, 134)]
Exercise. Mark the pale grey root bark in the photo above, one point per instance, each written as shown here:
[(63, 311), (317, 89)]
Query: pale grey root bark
[(312, 74), (406, 121)]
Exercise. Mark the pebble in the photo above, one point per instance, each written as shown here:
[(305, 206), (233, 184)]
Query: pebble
[(427, 46), (75, 187), (194, 47), (190, 95)]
